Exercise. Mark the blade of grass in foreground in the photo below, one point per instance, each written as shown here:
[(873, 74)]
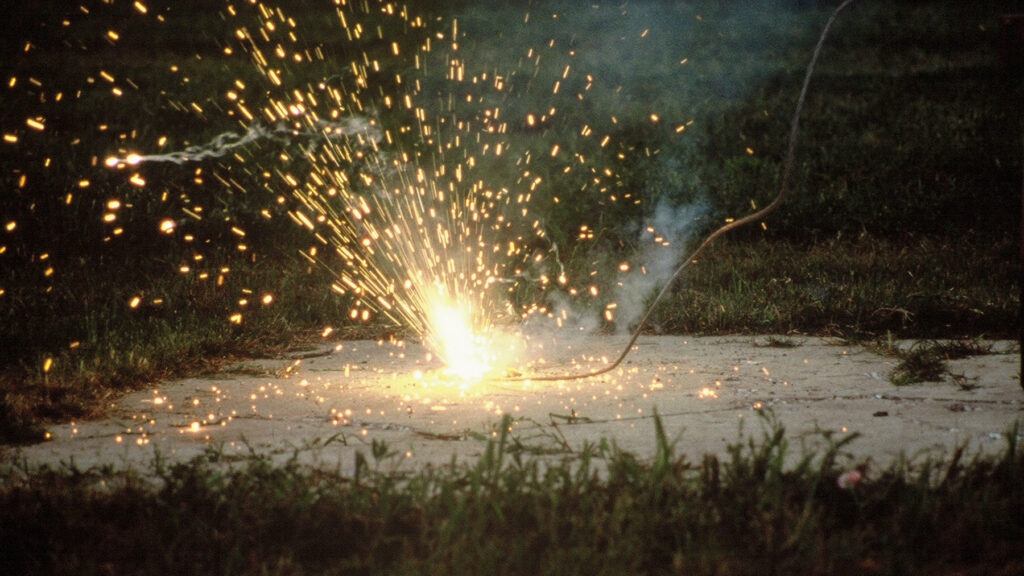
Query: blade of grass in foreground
[(602, 511)]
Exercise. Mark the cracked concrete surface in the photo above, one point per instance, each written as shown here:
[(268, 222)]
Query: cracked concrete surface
[(327, 406)]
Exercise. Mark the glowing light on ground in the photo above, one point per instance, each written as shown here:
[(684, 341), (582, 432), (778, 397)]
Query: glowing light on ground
[(466, 352)]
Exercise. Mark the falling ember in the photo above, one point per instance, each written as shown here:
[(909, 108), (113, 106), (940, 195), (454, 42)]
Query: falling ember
[(401, 212), (707, 392)]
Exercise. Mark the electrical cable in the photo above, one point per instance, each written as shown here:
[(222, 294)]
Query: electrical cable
[(787, 166)]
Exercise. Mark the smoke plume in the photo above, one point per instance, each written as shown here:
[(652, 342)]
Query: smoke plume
[(665, 239)]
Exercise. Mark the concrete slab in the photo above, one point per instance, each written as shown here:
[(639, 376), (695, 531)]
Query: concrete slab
[(325, 408)]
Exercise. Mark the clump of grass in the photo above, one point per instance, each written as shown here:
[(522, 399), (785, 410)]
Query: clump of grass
[(919, 364), (601, 510), (926, 361), (777, 342)]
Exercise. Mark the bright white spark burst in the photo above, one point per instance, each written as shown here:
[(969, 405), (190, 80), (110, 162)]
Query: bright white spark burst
[(418, 240), (392, 181)]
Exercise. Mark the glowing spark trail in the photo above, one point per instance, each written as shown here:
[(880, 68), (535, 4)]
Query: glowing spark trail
[(418, 241), (405, 209), (393, 208), (229, 141)]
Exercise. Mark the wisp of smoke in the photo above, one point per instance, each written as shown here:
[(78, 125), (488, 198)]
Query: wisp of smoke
[(356, 127), (665, 239)]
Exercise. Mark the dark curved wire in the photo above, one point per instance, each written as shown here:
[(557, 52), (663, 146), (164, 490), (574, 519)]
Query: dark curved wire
[(794, 130)]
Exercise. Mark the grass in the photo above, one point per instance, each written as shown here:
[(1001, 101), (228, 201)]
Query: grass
[(898, 225), (919, 364), (897, 222), (112, 347), (957, 349), (926, 360), (761, 508), (777, 342), (864, 287)]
